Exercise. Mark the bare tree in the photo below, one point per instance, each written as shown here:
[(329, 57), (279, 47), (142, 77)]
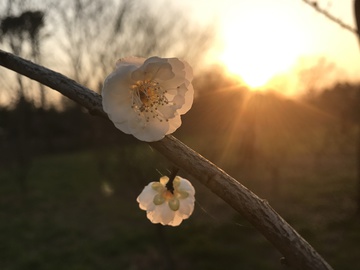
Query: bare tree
[(355, 31), (98, 32), (22, 33)]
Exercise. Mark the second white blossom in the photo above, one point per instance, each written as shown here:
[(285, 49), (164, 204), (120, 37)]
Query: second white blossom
[(168, 205)]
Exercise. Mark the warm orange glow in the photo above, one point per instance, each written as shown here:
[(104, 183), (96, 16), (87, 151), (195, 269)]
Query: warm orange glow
[(257, 48)]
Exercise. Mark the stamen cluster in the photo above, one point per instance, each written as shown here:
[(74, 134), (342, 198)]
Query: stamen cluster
[(147, 96)]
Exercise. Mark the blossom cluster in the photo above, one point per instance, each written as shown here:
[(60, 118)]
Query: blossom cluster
[(146, 98)]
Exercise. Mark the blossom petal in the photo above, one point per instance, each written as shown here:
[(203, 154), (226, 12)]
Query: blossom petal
[(155, 59), (146, 197), (149, 133), (185, 185), (176, 220), (188, 72), (154, 67), (179, 101), (183, 73), (116, 96), (160, 71), (174, 124), (116, 89), (186, 207), (161, 214), (189, 98), (167, 214), (167, 111), (178, 66), (130, 61), (128, 125)]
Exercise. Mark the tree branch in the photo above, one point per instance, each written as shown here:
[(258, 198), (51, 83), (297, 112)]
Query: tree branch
[(298, 253), (331, 17)]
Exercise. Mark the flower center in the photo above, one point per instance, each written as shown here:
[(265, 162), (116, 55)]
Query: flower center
[(147, 96), (168, 195)]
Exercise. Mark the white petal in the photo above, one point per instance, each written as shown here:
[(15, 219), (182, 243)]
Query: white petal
[(136, 122), (155, 59), (189, 98), (186, 185), (188, 72), (120, 115), (122, 71), (179, 101), (123, 126), (167, 214), (186, 207), (174, 124), (164, 73), (152, 131), (172, 83), (116, 88), (146, 197), (128, 121), (183, 73), (178, 66), (152, 217), (161, 214), (177, 220), (132, 60), (160, 71), (153, 70), (167, 111), (116, 95)]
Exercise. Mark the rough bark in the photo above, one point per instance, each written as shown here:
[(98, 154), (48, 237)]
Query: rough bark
[(357, 18), (297, 252)]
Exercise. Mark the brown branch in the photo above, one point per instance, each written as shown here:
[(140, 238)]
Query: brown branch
[(297, 252), (331, 17)]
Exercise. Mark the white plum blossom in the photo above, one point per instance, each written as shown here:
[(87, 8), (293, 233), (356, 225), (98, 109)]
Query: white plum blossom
[(145, 98), (168, 205)]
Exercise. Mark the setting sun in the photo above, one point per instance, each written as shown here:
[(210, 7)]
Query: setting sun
[(257, 48)]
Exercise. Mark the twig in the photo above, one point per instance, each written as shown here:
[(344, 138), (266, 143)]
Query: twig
[(298, 253), (331, 17)]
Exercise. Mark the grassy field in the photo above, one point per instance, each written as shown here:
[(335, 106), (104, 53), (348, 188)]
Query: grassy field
[(78, 211)]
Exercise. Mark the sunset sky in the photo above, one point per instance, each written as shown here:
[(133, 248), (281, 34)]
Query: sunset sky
[(260, 39), (268, 44)]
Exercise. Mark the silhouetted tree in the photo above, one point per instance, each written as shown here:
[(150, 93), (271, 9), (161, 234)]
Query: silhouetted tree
[(357, 16), (17, 32)]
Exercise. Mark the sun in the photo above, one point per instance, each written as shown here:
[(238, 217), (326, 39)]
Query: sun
[(260, 45)]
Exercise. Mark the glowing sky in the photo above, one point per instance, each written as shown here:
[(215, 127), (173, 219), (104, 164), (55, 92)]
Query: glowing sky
[(264, 38), (269, 42)]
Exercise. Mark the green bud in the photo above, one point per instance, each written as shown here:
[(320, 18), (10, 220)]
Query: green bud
[(158, 199), (177, 181), (181, 194), (174, 204), (157, 186)]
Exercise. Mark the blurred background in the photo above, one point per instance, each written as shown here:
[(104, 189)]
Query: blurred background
[(276, 106)]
